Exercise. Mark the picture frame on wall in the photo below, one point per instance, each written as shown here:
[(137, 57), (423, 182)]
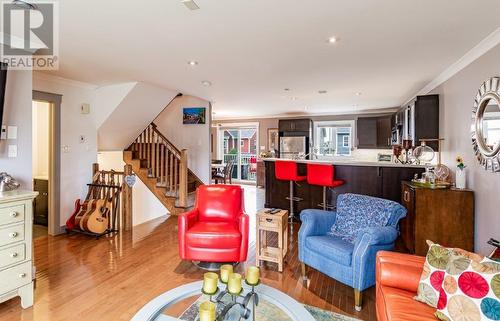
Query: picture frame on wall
[(272, 139), (193, 115)]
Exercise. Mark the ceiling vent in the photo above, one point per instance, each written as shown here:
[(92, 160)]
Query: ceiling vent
[(190, 4)]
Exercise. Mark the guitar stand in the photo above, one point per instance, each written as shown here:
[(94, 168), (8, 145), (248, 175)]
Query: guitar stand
[(115, 201)]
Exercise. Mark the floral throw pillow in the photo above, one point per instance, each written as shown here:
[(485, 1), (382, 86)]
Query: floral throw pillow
[(430, 288), (470, 290)]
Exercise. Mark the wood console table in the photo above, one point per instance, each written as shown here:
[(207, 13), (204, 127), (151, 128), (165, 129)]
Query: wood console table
[(271, 223)]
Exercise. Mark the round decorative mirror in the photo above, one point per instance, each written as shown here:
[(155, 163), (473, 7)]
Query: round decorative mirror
[(485, 127)]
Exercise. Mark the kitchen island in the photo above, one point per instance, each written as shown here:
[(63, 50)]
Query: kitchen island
[(379, 179)]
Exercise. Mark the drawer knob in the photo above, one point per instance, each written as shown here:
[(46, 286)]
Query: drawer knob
[(13, 214), (13, 234), (22, 275), (13, 255)]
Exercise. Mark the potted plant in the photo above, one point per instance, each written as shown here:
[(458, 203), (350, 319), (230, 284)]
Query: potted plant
[(460, 175)]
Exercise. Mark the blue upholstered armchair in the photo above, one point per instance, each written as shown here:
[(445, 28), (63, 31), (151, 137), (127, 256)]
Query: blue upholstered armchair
[(343, 244)]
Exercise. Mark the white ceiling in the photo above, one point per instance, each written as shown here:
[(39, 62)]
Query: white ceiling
[(252, 49)]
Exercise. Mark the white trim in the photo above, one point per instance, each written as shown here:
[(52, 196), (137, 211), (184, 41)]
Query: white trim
[(480, 49)]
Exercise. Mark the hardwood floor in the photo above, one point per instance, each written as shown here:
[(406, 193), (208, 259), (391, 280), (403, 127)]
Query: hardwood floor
[(80, 278)]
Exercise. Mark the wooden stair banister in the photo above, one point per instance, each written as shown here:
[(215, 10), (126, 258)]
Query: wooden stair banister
[(164, 162)]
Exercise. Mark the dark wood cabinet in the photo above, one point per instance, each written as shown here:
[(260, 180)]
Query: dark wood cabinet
[(384, 132), (374, 132), (427, 119), (41, 202), (378, 181), (294, 125), (367, 132), (444, 216)]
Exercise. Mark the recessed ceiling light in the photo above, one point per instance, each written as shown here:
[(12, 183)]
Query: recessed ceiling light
[(332, 40), (322, 92), (358, 93), (206, 83), (286, 89), (192, 63)]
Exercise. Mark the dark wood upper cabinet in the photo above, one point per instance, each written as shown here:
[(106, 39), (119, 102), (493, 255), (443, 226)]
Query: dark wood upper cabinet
[(367, 132), (374, 132), (294, 125), (427, 119), (384, 132)]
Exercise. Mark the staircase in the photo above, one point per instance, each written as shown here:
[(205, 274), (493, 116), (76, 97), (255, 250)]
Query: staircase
[(162, 167)]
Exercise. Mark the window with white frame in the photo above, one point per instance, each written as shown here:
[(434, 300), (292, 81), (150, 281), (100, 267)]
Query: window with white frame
[(333, 138)]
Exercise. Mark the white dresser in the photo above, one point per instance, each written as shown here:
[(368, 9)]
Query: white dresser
[(16, 243)]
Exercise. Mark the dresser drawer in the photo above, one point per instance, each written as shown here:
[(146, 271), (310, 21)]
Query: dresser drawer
[(11, 214), (11, 234), (12, 255), (15, 277)]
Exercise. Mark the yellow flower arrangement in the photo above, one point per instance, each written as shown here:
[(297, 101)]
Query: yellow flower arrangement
[(460, 162)]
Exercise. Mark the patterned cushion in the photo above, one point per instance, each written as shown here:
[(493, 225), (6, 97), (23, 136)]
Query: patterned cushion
[(356, 212), (430, 288), (431, 280), (470, 291)]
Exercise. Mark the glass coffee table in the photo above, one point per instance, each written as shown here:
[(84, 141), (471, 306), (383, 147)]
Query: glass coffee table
[(273, 305)]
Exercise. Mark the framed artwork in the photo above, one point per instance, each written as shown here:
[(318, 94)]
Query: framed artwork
[(272, 139), (193, 115)]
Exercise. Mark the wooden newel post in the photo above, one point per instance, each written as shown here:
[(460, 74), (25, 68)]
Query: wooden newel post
[(95, 169), (183, 179), (127, 200)]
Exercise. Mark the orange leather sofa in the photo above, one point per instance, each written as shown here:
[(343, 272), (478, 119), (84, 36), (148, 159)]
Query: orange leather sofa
[(397, 278)]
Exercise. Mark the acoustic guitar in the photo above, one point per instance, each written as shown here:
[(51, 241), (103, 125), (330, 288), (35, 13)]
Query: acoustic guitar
[(98, 220), (82, 208)]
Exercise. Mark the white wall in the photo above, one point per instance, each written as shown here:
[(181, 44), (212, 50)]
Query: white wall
[(145, 205), (134, 113), (456, 102), (76, 158), (194, 138), (41, 139), (18, 112)]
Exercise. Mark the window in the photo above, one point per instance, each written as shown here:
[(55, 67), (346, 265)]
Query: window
[(333, 138), (345, 141)]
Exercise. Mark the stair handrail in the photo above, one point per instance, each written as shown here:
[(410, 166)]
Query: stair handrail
[(172, 146)]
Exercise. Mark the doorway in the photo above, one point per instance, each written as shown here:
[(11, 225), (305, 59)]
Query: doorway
[(238, 145), (46, 163)]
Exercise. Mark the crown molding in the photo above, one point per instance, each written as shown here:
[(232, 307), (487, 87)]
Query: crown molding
[(488, 43)]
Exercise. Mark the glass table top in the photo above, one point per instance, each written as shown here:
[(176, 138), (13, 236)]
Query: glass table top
[(182, 303)]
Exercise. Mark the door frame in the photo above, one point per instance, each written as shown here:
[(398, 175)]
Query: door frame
[(54, 100), (239, 126)]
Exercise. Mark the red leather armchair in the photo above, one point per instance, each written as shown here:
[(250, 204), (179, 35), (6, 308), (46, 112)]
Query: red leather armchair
[(216, 230), (397, 278)]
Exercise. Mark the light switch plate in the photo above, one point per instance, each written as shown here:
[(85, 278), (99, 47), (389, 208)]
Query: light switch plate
[(85, 109), (11, 132), (12, 151)]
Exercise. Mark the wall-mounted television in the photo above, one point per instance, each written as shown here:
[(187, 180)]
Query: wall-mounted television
[(3, 82)]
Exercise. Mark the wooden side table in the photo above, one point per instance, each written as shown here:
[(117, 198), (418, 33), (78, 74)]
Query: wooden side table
[(276, 224)]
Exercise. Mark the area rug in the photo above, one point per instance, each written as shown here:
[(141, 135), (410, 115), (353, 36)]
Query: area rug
[(269, 312)]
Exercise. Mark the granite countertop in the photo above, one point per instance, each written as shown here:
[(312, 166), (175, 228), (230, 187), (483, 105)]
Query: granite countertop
[(16, 194), (351, 162)]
